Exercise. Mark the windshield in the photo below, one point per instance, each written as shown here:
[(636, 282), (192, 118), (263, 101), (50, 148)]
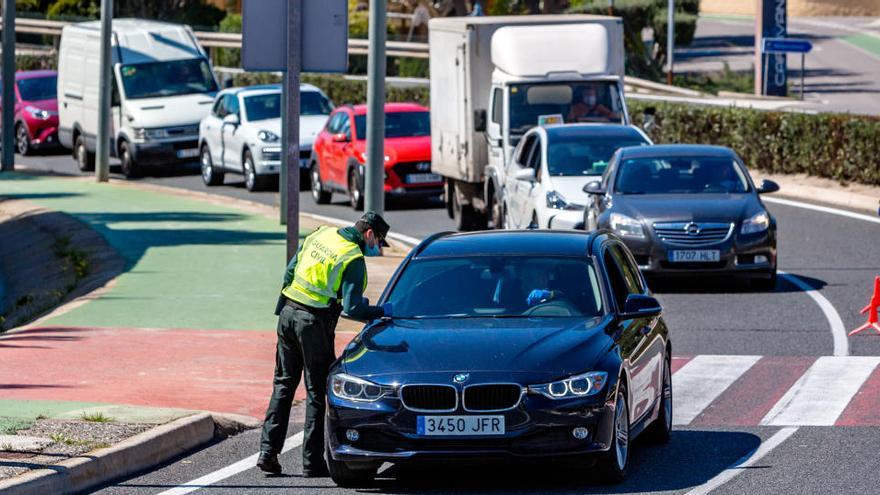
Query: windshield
[(268, 106), (38, 88), (534, 104), (497, 286), (178, 77), (684, 175), (398, 125), (585, 155)]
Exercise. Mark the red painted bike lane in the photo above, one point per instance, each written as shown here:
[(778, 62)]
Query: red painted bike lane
[(222, 371)]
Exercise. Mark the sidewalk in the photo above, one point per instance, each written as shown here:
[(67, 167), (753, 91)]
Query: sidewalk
[(187, 325)]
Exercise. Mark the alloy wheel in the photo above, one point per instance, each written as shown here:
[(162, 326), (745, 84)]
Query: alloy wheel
[(22, 141), (207, 169), (250, 176), (621, 433)]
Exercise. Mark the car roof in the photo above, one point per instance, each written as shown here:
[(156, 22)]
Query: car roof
[(673, 150), (31, 74), (508, 242), (602, 130), (391, 108), (266, 88)]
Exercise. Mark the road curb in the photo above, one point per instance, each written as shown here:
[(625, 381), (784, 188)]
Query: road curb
[(834, 196), (130, 456)]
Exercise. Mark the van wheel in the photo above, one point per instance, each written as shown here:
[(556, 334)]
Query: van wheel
[(22, 140), (252, 180), (210, 175), (355, 190), (84, 160), (320, 196), (130, 168)]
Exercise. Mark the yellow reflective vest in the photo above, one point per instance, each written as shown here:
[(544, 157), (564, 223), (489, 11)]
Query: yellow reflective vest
[(320, 264)]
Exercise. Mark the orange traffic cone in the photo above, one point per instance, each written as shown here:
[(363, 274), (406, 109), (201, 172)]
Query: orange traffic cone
[(871, 309)]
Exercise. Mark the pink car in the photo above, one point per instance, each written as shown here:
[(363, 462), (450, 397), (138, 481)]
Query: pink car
[(36, 110)]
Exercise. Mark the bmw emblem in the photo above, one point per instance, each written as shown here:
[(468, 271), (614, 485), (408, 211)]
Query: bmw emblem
[(461, 377)]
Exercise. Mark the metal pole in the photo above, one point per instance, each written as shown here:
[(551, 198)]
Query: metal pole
[(670, 39), (102, 154), (8, 100), (803, 55), (374, 187), (282, 176), (291, 86)]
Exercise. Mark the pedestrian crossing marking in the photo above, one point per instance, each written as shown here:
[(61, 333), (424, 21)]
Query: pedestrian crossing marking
[(702, 380)]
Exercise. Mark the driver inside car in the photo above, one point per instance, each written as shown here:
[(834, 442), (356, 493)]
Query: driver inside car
[(539, 279), (588, 107)]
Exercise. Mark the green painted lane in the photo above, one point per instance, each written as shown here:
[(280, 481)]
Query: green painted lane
[(866, 42), (190, 264)]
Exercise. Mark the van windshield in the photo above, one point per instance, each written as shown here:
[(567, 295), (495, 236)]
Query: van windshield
[(157, 79)]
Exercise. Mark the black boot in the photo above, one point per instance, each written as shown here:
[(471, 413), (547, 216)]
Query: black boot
[(269, 463)]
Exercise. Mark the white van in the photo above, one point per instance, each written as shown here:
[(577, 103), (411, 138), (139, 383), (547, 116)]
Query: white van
[(163, 85)]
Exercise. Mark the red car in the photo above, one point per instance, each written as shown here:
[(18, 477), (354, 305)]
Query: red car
[(339, 151), (36, 110)]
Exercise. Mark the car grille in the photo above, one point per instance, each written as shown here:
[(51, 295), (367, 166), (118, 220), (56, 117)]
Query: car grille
[(491, 397), (692, 233), (429, 397), (183, 130), (406, 168)]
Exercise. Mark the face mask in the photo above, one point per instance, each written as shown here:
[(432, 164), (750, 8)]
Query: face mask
[(373, 250)]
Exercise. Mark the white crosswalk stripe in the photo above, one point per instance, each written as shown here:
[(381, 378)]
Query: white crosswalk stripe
[(822, 393), (703, 379)]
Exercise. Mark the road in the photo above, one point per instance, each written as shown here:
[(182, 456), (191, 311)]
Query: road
[(778, 355)]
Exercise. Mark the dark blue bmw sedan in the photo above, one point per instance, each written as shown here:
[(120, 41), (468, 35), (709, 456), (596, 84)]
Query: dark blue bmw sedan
[(504, 343)]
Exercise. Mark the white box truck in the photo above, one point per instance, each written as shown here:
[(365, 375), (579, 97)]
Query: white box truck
[(493, 78), (163, 85)]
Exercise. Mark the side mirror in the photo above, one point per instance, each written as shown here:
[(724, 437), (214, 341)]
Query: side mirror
[(768, 186), (640, 306), (231, 119), (648, 116), (594, 187), (525, 174), (479, 121), (340, 137)]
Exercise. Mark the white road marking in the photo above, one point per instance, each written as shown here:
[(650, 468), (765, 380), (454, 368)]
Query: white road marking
[(230, 470), (701, 380), (823, 209), (744, 462), (838, 331), (822, 393)]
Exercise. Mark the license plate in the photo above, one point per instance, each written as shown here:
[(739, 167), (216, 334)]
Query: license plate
[(460, 426), (422, 178), (695, 255), (188, 153)]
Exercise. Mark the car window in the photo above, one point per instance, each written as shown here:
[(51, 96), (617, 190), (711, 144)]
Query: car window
[(232, 104), (535, 156), (398, 124), (496, 286), (313, 103), (629, 269), (345, 125), (333, 123), (616, 279), (38, 88), (219, 109), (576, 154), (680, 175), (525, 150), (167, 78), (497, 105), (263, 107)]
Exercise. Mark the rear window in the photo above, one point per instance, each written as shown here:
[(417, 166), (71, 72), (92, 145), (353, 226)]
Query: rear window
[(496, 286), (398, 125), (38, 88)]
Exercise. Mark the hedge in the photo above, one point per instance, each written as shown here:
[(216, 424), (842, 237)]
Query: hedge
[(340, 90), (843, 147)]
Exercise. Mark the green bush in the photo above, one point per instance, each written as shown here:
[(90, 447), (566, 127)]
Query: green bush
[(36, 62), (229, 57), (74, 10), (340, 90), (837, 146)]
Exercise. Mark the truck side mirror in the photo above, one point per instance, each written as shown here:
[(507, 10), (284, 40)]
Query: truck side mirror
[(479, 121)]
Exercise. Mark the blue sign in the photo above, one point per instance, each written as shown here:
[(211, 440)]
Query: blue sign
[(786, 45), (771, 68)]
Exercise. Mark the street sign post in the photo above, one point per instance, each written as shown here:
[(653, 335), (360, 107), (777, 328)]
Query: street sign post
[(102, 153), (320, 45), (374, 173), (8, 94), (787, 45), (771, 70)]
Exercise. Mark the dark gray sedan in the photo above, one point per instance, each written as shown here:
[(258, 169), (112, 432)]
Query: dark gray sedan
[(687, 210)]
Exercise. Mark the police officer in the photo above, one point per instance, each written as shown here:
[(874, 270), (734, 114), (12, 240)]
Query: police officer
[(327, 275)]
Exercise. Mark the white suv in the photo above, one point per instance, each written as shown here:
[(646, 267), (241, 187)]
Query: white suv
[(242, 134), (544, 180)]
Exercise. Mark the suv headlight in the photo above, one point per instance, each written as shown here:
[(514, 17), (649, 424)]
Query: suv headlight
[(357, 389), (558, 202), (757, 223), (38, 113), (267, 136), (583, 385), (626, 226)]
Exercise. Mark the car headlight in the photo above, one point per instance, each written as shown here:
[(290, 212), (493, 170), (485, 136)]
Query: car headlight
[(583, 385), (267, 136), (755, 224), (38, 113), (147, 134), (558, 202), (626, 226), (357, 389)]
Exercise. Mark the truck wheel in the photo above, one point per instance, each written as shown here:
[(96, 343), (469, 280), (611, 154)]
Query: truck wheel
[(448, 195), (129, 167), (84, 160), (466, 218)]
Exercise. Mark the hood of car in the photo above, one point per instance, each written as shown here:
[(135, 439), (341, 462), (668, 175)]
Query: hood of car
[(169, 111), (572, 187), (686, 207), (545, 348), (309, 127), (410, 149), (50, 105)]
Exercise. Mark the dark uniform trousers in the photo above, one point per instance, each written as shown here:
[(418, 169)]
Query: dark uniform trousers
[(305, 346)]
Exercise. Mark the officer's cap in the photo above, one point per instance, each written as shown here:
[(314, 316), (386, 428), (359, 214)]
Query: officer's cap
[(377, 224)]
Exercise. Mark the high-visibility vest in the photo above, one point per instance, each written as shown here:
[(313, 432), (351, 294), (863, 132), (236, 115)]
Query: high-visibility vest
[(320, 264)]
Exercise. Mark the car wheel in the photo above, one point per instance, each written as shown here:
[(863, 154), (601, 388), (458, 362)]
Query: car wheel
[(84, 160), (765, 284), (22, 140), (660, 430), (252, 180), (350, 475), (130, 168), (613, 463), (210, 175), (320, 196), (355, 190)]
